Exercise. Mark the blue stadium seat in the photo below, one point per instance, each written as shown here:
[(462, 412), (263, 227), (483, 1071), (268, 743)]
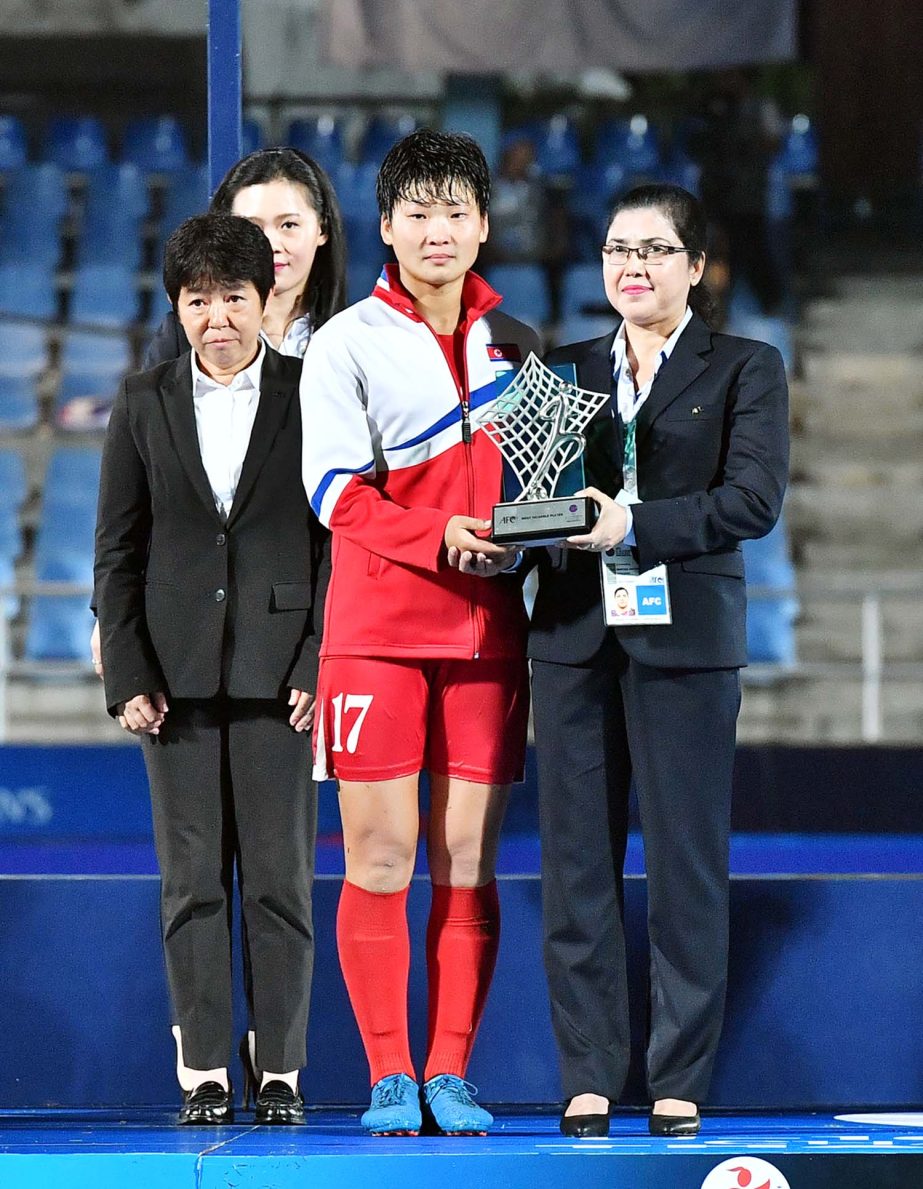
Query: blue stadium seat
[(771, 620), (799, 156), (23, 349), (24, 241), (104, 295), (382, 133), (36, 201), (582, 290), (85, 396), (525, 292), (632, 143), (13, 485), (27, 291), (76, 142), (58, 629), (72, 478), (18, 402), (355, 187), (64, 544), (680, 170), (558, 149), (41, 188), (156, 144), (10, 549), (187, 196), (321, 137), (94, 351), (360, 279), (252, 135), (80, 384), (112, 226), (14, 149), (123, 186), (588, 204)]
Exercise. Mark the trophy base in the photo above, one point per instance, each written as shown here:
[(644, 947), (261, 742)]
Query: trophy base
[(542, 522)]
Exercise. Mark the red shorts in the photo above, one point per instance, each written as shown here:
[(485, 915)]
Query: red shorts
[(378, 719)]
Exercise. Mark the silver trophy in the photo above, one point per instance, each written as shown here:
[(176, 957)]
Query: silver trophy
[(537, 423)]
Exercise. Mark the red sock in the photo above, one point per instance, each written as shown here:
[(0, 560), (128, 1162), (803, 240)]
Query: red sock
[(374, 947), (461, 951)]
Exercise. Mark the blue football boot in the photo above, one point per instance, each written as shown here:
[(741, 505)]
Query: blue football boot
[(451, 1108), (395, 1107)]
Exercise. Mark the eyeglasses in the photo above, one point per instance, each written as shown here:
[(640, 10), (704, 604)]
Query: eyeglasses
[(647, 253)]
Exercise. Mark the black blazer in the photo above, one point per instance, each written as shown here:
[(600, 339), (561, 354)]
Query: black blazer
[(187, 604), (168, 342), (712, 442)]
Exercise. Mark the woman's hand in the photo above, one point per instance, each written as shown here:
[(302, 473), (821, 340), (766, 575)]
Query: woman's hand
[(477, 563), (302, 717), (472, 555), (144, 714), (610, 527)]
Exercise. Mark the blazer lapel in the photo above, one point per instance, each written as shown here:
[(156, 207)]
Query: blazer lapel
[(275, 394), (603, 455), (179, 409), (685, 365)]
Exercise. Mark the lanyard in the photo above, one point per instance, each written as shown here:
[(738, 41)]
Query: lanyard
[(630, 459)]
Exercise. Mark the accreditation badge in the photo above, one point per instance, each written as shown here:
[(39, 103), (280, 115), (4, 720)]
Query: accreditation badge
[(630, 598)]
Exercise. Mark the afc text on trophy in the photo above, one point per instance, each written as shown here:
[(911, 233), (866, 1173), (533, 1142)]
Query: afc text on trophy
[(537, 423)]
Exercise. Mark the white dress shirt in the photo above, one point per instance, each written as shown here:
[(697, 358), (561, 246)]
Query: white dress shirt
[(224, 416), (296, 338), (629, 397)]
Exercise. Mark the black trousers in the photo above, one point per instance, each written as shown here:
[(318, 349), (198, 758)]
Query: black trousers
[(674, 730), (231, 783)]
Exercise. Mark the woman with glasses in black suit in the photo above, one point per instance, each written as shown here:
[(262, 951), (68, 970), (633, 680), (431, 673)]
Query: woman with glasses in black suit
[(687, 459)]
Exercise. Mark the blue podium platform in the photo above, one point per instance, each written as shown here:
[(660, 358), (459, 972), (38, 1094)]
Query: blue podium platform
[(825, 997), (141, 1150)]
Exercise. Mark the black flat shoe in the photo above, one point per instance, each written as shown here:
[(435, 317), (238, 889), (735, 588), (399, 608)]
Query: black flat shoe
[(674, 1125), (586, 1126), (277, 1104), (206, 1106)]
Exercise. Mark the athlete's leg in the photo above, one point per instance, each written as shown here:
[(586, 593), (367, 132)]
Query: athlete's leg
[(380, 827), (477, 728)]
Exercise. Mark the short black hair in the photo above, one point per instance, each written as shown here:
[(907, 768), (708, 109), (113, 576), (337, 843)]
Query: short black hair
[(325, 291), (444, 166), (209, 250)]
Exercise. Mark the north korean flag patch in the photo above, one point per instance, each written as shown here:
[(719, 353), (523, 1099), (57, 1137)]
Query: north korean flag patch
[(508, 353)]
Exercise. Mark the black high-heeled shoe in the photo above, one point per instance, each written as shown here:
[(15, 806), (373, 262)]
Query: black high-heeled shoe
[(207, 1105), (674, 1126), (594, 1126)]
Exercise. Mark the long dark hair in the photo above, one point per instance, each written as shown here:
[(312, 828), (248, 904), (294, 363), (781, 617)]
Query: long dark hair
[(325, 291), (685, 213)]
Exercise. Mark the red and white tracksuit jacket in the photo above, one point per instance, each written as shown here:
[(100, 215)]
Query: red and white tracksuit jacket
[(386, 464)]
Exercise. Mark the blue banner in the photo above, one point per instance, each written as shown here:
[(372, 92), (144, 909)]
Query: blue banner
[(85, 792)]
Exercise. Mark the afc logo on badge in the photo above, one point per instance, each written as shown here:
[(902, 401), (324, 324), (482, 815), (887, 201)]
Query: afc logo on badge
[(651, 600)]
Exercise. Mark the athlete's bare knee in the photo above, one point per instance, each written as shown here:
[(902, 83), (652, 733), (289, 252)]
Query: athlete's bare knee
[(382, 868)]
